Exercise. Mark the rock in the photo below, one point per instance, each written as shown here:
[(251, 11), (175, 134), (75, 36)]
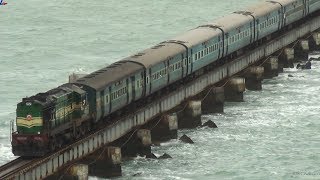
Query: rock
[(151, 156), (137, 174), (210, 124), (156, 144), (314, 59), (186, 139), (165, 156), (290, 75)]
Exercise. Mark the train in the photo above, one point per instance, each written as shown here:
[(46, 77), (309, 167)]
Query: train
[(47, 121)]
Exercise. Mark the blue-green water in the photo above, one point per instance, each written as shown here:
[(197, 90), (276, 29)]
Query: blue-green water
[(274, 134)]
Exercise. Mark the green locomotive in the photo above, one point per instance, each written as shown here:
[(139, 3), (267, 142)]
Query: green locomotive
[(49, 120)]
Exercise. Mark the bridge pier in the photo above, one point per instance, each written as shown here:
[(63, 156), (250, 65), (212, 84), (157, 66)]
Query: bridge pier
[(214, 101), (314, 41), (77, 172), (135, 144), (73, 172), (286, 59), (254, 77), (165, 129), (190, 116), (234, 90), (106, 163), (270, 67), (301, 49)]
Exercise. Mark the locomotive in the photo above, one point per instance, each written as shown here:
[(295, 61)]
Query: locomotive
[(49, 120)]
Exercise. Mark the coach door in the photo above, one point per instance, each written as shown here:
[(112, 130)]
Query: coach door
[(133, 88), (306, 7)]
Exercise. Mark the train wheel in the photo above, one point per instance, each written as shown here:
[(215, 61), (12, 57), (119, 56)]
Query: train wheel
[(78, 133), (60, 142), (82, 130), (87, 127), (53, 144)]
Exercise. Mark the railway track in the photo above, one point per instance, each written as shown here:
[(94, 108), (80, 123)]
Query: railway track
[(7, 169)]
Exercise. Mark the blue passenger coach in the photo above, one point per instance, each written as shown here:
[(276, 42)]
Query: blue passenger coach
[(162, 63), (266, 16), (314, 5), (237, 31), (203, 45), (112, 87)]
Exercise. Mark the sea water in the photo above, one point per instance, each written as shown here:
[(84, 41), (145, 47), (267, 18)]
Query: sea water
[(273, 134)]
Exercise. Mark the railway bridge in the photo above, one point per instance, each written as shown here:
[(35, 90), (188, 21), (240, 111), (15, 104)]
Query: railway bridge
[(100, 153)]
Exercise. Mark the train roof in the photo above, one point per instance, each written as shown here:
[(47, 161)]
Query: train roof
[(156, 54), (283, 2), (231, 21), (263, 8), (46, 98), (100, 79), (197, 35)]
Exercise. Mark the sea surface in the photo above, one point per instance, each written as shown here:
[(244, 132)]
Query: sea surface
[(273, 134)]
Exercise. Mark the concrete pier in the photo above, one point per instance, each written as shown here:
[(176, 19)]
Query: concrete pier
[(270, 67), (213, 101), (234, 90), (106, 163), (301, 49), (190, 116), (165, 129), (138, 143), (253, 77), (77, 172), (286, 59), (314, 41), (73, 172)]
